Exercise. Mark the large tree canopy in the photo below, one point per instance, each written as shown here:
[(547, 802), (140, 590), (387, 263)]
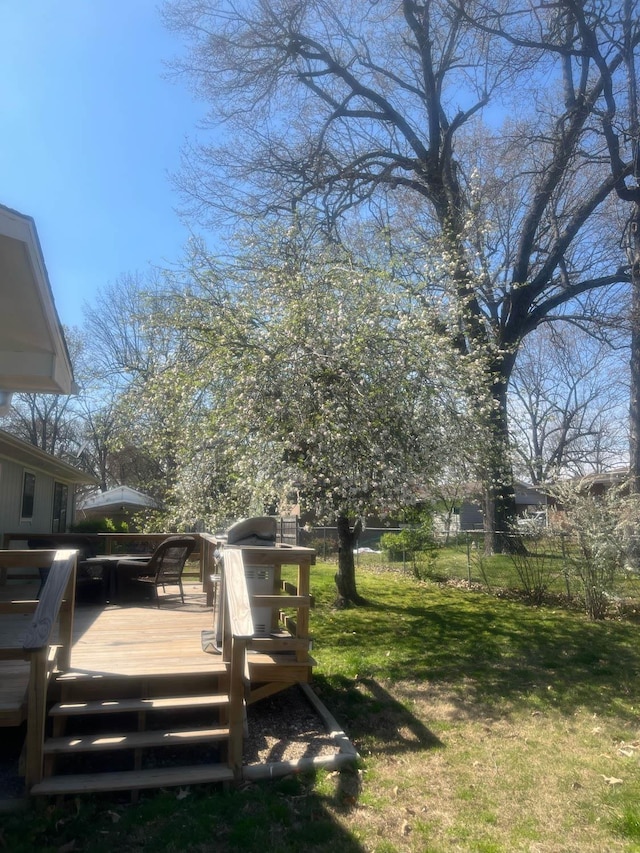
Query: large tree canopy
[(470, 133), (329, 385)]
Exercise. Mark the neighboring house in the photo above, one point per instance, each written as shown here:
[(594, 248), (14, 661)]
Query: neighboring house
[(37, 491), (118, 504), (467, 514), (595, 485), (598, 484)]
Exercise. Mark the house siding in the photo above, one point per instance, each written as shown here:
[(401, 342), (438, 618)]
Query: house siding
[(11, 479)]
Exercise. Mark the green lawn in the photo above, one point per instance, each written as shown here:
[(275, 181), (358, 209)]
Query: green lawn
[(484, 724)]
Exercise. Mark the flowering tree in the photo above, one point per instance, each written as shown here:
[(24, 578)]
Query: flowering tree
[(329, 384), (144, 412)]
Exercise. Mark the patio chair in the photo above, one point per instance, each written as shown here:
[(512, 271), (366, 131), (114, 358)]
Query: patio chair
[(164, 567), (85, 581)]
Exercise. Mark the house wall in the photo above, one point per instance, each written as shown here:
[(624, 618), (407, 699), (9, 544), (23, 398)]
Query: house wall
[(11, 483)]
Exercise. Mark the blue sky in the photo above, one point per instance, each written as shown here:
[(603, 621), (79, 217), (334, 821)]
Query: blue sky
[(89, 133)]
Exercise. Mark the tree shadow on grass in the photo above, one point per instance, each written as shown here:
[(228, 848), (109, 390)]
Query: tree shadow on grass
[(374, 716), (496, 651), (287, 815)]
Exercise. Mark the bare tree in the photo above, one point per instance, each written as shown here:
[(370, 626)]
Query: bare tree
[(118, 329), (566, 405), (49, 421), (394, 113), (123, 344)]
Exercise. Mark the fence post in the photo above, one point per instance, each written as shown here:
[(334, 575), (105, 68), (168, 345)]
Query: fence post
[(565, 570)]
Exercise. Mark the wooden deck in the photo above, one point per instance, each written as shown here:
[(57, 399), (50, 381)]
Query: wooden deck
[(145, 665), (140, 640), (137, 641)]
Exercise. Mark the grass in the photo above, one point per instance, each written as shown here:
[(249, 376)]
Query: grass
[(484, 725), (550, 563)]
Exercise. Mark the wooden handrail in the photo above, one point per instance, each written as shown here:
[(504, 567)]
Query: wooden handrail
[(23, 559), (238, 629), (237, 594), (60, 586), (56, 605)]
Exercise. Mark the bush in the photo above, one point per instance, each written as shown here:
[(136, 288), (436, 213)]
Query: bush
[(600, 526), (415, 544), (536, 564), (326, 547), (99, 525)]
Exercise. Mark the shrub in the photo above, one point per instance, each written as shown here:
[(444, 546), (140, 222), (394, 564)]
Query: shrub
[(99, 525), (415, 544), (600, 527), (536, 564)]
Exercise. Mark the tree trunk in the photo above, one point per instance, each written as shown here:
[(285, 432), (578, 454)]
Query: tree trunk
[(633, 543), (634, 401), (499, 493), (346, 575)]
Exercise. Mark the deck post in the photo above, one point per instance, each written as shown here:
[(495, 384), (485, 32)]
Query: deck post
[(67, 609), (36, 716), (302, 616), (56, 603), (236, 705)]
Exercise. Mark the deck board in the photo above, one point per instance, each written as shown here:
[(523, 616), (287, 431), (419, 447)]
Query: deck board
[(138, 640), (142, 639)]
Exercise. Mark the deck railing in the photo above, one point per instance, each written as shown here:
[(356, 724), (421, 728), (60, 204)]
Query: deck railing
[(40, 646), (111, 543), (288, 603), (238, 630)]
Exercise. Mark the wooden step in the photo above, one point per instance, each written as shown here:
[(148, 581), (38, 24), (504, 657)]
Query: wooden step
[(283, 668), (82, 677), (277, 643), (118, 706), (132, 780), (132, 740)]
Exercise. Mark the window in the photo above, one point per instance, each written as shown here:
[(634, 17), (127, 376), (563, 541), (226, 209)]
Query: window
[(60, 497), (28, 494)]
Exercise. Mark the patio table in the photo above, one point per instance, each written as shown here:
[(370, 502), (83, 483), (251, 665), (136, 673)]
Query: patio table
[(108, 564)]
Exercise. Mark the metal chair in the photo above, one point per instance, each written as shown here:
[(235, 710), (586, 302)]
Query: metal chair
[(164, 567)]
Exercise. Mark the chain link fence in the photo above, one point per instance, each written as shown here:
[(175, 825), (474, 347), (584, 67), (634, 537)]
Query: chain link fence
[(599, 573)]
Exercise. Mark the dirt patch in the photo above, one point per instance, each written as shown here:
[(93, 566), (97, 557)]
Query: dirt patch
[(285, 727)]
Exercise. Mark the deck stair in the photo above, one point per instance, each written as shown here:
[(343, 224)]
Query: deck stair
[(122, 741), (279, 659), (154, 719)]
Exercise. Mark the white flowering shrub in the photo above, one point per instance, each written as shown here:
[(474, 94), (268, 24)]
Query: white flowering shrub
[(599, 527)]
